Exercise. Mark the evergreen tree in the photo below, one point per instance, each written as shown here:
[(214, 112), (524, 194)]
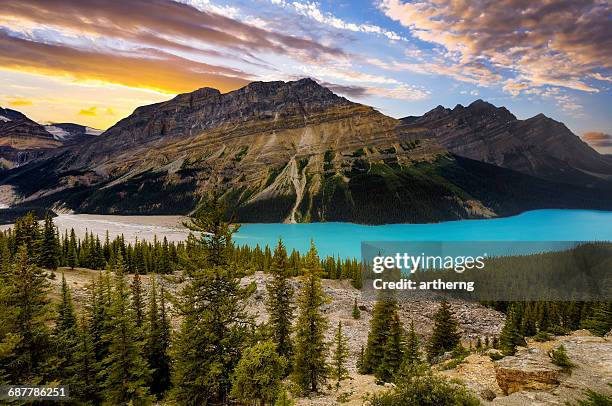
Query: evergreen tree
[(26, 314), (215, 324), (356, 313), (383, 315), (445, 335), (71, 256), (158, 333), (412, 351), (310, 366), (83, 371), (48, 254), (27, 235), (137, 300), (511, 335), (393, 352), (259, 373), (280, 302), (66, 336), (339, 357), (599, 322), (125, 372), (360, 362)]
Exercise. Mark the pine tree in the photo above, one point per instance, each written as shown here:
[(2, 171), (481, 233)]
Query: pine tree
[(356, 313), (393, 352), (599, 322), (71, 258), (83, 370), (212, 306), (360, 362), (310, 366), (339, 357), (47, 252), (383, 315), (158, 333), (26, 315), (445, 335), (125, 373), (412, 352), (259, 373), (511, 335), (65, 332), (137, 299), (280, 302)]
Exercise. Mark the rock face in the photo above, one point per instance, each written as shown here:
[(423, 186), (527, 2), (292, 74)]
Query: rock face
[(281, 151), (538, 146), (530, 369), (21, 139)]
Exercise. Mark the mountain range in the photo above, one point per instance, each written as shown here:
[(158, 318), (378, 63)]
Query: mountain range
[(23, 140), (296, 152)]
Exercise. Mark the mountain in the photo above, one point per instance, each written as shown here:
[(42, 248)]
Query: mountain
[(23, 140), (280, 151), (70, 132), (538, 146)]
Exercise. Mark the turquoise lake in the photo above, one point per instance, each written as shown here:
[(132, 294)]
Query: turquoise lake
[(344, 239)]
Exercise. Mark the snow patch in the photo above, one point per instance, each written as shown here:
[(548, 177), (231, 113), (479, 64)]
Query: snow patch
[(57, 132), (92, 131), (5, 119)]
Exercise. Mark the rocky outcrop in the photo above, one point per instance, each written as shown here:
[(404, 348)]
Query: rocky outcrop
[(529, 369), (538, 146)]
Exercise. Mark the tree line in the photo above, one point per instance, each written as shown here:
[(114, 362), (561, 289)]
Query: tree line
[(49, 249)]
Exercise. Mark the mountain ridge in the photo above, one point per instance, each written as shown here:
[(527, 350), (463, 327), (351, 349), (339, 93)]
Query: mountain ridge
[(537, 146), (285, 151)]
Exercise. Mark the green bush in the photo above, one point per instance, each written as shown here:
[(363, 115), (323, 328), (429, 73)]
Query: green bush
[(496, 356), (425, 390), (542, 336), (559, 357), (594, 399)]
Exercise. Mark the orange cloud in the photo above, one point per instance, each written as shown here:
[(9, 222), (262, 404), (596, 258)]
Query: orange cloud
[(598, 139), (151, 69)]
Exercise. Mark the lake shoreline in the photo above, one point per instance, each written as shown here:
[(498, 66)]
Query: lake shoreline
[(344, 239)]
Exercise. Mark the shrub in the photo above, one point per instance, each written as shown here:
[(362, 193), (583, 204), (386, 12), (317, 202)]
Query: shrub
[(425, 390), (594, 399), (559, 357), (542, 336), (496, 356)]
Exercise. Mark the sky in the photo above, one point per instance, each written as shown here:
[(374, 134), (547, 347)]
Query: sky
[(94, 61)]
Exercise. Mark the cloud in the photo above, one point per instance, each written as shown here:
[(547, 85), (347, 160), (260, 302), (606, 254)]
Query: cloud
[(164, 23), (90, 112), (17, 102), (598, 139), (556, 43), (151, 69), (313, 11), (400, 92)]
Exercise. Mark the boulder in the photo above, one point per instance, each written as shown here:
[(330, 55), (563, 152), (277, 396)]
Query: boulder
[(530, 369)]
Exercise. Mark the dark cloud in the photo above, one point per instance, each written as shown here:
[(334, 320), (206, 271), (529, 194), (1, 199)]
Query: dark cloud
[(598, 139), (150, 68)]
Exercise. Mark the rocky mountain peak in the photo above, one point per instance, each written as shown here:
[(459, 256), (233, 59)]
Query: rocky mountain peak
[(206, 108)]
